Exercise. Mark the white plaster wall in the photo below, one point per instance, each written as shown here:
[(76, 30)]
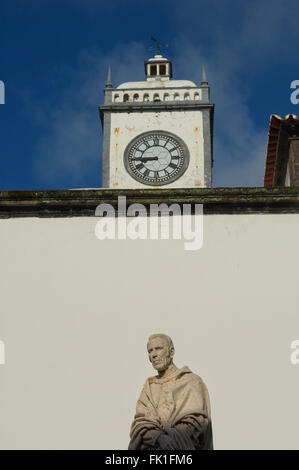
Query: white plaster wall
[(188, 125), (76, 313)]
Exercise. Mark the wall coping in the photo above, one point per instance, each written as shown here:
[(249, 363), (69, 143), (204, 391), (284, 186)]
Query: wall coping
[(83, 202)]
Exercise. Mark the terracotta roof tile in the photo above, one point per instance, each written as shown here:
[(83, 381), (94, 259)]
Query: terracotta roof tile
[(276, 122)]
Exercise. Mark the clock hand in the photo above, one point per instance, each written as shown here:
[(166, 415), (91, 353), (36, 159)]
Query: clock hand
[(146, 159)]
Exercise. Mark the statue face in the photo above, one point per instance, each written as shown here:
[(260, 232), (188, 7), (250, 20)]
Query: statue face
[(159, 354)]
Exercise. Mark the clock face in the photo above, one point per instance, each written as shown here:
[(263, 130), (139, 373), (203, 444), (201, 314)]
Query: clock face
[(156, 158)]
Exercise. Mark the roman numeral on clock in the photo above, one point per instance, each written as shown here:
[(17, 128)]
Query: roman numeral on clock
[(172, 165), (156, 142)]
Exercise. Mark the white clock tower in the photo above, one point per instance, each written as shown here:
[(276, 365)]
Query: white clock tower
[(158, 132)]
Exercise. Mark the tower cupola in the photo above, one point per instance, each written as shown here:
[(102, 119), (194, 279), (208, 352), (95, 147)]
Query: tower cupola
[(158, 68)]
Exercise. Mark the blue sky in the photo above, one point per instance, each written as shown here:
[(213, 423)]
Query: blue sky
[(54, 59)]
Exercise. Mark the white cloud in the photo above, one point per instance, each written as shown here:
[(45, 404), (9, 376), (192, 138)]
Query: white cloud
[(239, 42), (239, 147), (69, 145)]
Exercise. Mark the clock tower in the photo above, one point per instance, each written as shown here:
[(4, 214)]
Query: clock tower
[(158, 132)]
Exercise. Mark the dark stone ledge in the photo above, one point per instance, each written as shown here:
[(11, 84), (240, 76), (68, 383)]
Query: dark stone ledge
[(132, 106), (83, 202)]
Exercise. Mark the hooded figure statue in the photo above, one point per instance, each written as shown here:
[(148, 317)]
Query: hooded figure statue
[(173, 410)]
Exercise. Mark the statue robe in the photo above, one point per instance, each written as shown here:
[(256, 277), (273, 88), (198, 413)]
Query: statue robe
[(178, 406)]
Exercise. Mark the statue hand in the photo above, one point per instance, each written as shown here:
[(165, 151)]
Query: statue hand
[(150, 437), (165, 442)]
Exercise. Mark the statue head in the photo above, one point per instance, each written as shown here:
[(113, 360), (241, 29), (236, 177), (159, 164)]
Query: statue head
[(160, 351)]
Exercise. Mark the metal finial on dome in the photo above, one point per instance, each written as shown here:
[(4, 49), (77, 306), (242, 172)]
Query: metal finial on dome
[(158, 45)]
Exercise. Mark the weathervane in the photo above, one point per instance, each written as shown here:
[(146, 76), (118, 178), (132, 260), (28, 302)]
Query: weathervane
[(158, 45)]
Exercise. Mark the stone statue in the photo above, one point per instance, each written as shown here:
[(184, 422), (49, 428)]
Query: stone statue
[(173, 410)]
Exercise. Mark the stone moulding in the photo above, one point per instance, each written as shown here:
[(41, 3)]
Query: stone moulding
[(83, 202)]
